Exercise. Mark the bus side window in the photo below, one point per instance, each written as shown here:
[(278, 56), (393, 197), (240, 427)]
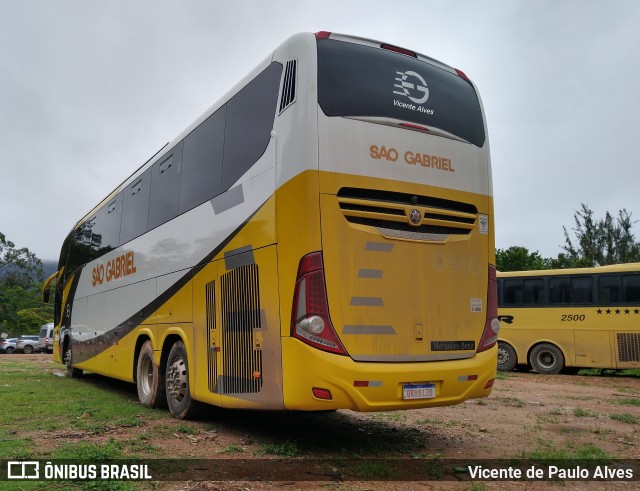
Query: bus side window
[(135, 208), (608, 289), (534, 291), (202, 162), (105, 233), (249, 121), (513, 292), (631, 288), (582, 290), (165, 188), (559, 290)]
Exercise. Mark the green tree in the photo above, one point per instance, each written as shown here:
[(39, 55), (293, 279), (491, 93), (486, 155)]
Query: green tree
[(18, 266), (518, 258), (21, 308), (30, 320), (599, 242)]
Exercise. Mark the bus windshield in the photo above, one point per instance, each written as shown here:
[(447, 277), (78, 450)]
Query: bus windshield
[(364, 81)]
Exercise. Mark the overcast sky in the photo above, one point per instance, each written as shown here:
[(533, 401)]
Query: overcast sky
[(89, 90)]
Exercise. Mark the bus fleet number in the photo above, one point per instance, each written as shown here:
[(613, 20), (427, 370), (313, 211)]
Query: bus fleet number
[(574, 318)]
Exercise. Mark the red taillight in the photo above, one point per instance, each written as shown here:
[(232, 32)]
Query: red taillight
[(492, 324), (397, 49), (323, 34), (414, 127), (463, 75), (310, 320)]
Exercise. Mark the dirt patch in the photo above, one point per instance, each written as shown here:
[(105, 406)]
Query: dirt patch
[(527, 415)]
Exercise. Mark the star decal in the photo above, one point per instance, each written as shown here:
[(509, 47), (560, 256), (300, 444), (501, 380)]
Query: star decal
[(625, 311)]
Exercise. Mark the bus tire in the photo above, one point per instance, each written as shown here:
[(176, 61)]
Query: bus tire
[(546, 358), (177, 383), (150, 379), (72, 372), (507, 357)]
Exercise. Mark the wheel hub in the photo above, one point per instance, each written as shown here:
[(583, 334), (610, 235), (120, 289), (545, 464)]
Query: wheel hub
[(177, 380), (546, 359), (146, 375)]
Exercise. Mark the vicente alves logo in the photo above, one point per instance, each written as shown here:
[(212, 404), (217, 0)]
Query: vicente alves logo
[(414, 87)]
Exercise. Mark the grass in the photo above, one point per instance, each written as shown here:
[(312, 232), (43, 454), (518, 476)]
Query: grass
[(625, 418), (604, 372), (229, 449), (186, 429), (503, 375), (550, 418), (632, 401), (579, 412), (42, 403), (583, 452), (513, 401), (80, 406), (286, 449)]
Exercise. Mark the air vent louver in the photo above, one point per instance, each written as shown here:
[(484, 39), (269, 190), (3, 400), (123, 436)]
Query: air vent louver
[(628, 346), (288, 96)]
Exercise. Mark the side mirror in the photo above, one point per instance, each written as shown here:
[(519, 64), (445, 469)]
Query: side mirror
[(46, 289)]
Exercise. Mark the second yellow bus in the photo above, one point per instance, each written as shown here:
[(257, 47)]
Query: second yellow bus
[(570, 318)]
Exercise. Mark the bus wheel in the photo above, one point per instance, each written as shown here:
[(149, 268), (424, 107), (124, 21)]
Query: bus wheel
[(507, 357), (72, 372), (149, 379), (546, 358), (177, 383)]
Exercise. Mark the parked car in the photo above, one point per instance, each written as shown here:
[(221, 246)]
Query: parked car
[(45, 341), (27, 343), (8, 345)]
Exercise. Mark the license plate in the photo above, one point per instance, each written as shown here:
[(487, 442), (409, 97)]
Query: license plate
[(418, 391)]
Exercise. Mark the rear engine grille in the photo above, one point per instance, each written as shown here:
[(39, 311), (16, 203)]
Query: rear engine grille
[(241, 361), (628, 346), (389, 212)]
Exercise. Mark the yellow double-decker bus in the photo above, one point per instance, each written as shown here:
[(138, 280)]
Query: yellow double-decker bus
[(320, 238), (570, 318)]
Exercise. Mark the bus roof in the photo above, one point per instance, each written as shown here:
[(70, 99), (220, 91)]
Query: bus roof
[(612, 268)]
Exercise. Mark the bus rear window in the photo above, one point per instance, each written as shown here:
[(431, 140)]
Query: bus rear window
[(365, 81)]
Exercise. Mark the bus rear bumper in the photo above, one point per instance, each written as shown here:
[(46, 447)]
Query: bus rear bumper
[(373, 386)]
